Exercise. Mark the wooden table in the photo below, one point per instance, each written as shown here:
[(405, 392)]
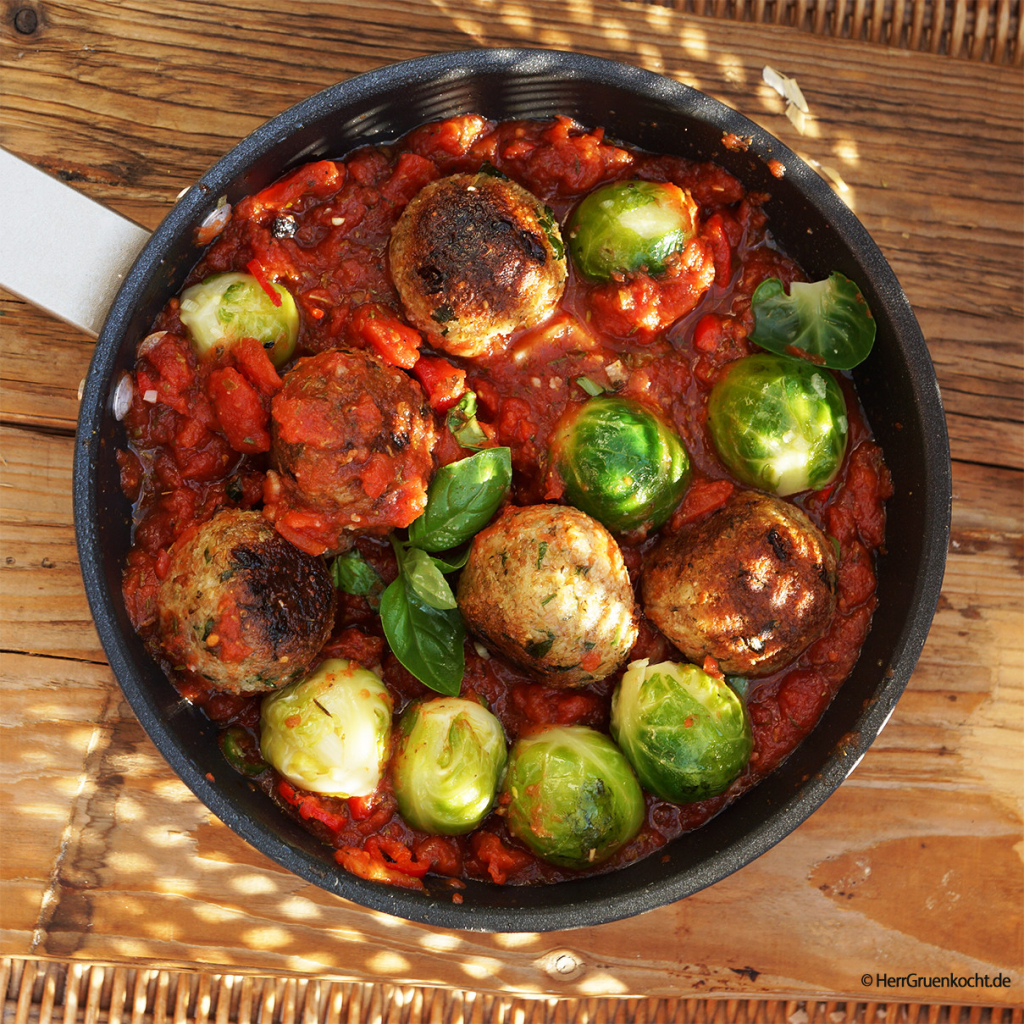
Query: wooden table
[(913, 866)]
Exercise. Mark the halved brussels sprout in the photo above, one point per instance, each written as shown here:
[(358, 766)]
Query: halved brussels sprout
[(621, 463), (330, 732), (572, 797), (448, 764), (685, 733), (626, 225), (779, 423), (226, 307)]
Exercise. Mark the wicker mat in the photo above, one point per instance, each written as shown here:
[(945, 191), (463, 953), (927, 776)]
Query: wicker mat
[(985, 30), (37, 992)]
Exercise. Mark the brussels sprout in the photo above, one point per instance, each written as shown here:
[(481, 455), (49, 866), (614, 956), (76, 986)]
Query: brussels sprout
[(626, 225), (621, 463), (330, 732), (448, 764), (226, 307), (686, 734), (778, 423), (572, 797)]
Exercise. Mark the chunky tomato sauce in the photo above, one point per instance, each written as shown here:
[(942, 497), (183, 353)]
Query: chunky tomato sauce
[(198, 434)]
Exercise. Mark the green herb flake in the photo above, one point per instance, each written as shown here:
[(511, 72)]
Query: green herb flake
[(539, 648), (443, 314), (547, 223)]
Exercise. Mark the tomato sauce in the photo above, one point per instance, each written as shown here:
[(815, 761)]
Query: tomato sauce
[(198, 438)]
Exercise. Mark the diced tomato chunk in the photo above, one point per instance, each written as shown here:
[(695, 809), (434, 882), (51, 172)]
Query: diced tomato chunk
[(444, 384), (239, 410), (498, 859), (703, 496), (365, 864), (254, 363), (376, 475), (396, 343)]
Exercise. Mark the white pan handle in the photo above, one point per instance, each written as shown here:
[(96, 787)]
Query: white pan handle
[(59, 249)]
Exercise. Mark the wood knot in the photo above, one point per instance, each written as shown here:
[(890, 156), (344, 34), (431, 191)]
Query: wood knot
[(26, 21)]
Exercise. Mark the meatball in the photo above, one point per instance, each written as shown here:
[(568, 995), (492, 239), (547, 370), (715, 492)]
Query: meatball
[(242, 607), (475, 257), (351, 451), (752, 585), (547, 587)]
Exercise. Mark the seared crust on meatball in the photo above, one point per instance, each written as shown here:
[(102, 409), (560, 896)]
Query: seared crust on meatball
[(352, 442), (752, 585), (242, 607), (547, 587), (475, 257)]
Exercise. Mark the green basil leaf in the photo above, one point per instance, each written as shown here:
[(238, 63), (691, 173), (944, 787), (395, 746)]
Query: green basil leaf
[(427, 641), (828, 320), (462, 422), (450, 564), (426, 580), (352, 574), (461, 499)]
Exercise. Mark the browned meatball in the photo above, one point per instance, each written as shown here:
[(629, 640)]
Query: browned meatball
[(476, 257), (242, 607), (352, 443), (752, 585), (547, 587)]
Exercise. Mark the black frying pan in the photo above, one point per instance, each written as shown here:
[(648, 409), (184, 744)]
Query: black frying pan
[(896, 384)]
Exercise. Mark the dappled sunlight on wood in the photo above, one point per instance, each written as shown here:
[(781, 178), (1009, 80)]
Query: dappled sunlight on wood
[(660, 39), (388, 963)]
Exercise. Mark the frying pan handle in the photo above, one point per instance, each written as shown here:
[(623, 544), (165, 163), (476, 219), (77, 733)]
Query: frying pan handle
[(59, 249)]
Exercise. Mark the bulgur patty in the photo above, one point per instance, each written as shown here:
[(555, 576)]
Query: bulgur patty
[(752, 585), (241, 606), (352, 450), (476, 257), (547, 587)]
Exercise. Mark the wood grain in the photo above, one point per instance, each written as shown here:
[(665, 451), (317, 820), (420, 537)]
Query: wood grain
[(913, 865)]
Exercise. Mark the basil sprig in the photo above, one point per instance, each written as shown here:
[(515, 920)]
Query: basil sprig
[(418, 610), (428, 641), (827, 321)]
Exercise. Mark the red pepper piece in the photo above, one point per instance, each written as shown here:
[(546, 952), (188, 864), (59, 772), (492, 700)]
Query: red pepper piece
[(256, 269), (318, 180)]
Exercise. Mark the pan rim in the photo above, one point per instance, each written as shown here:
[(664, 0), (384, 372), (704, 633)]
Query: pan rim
[(616, 902)]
